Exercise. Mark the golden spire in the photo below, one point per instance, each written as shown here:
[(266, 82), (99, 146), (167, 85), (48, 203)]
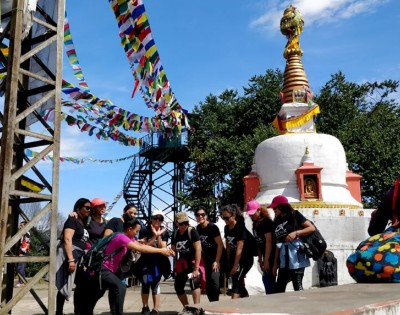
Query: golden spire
[(295, 82)]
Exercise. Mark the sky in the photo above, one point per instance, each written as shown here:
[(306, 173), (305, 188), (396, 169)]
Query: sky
[(205, 48)]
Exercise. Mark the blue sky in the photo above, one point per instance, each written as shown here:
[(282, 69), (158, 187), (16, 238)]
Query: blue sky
[(207, 47)]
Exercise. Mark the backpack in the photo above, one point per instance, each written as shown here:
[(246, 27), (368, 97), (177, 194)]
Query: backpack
[(250, 244), (93, 259), (314, 244)]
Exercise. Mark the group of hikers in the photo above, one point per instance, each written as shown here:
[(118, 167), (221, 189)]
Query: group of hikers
[(199, 253)]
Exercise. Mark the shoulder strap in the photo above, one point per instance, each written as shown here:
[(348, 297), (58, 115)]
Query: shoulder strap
[(189, 233), (113, 253), (190, 228)]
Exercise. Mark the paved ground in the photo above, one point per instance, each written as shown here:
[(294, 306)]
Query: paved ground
[(133, 304), (350, 299)]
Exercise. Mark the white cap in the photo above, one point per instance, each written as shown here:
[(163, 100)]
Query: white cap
[(157, 212)]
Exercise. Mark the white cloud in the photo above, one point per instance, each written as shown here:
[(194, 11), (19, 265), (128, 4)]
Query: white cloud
[(73, 142), (320, 12)]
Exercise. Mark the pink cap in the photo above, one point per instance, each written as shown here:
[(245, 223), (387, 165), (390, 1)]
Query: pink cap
[(278, 200), (252, 207), (97, 202)]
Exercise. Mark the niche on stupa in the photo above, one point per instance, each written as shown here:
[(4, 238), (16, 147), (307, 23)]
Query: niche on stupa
[(309, 179)]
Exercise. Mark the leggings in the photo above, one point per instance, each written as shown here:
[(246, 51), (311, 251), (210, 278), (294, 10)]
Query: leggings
[(153, 284), (285, 275), (114, 284), (238, 285), (212, 282), (180, 281)]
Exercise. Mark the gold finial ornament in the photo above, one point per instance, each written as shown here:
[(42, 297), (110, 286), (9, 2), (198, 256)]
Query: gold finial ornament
[(295, 83), (291, 26)]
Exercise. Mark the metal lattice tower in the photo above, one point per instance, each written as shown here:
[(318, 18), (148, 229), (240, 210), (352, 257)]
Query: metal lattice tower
[(157, 175), (34, 77)]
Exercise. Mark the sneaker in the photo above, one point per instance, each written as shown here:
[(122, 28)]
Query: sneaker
[(154, 312), (187, 310), (145, 310), (20, 285)]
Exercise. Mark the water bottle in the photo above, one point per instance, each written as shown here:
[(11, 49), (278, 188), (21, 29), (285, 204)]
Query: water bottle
[(229, 283)]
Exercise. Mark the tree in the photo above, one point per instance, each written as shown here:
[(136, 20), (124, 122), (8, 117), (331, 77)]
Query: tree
[(227, 129), (40, 235), (365, 119)]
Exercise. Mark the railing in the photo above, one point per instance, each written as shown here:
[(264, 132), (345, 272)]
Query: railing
[(159, 140)]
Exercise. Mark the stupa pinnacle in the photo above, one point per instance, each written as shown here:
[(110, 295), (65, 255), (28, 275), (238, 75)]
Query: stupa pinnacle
[(295, 82)]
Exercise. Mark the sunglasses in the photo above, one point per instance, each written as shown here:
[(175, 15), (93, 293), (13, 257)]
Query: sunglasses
[(197, 215), (161, 219), (226, 218), (88, 208), (183, 223)]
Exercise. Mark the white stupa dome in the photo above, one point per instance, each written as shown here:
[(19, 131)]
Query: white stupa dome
[(278, 158)]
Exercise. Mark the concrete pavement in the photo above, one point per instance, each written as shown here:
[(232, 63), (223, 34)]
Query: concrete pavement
[(362, 299)]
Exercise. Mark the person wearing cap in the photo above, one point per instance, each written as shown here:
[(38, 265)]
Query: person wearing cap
[(212, 249), (155, 235), (240, 258), (263, 231), (95, 225), (289, 226), (186, 244)]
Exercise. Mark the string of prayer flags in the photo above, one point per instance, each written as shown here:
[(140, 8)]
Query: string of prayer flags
[(29, 153), (72, 56), (141, 51), (116, 199)]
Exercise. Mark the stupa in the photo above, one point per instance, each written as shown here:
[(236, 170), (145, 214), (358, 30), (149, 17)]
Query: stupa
[(307, 167)]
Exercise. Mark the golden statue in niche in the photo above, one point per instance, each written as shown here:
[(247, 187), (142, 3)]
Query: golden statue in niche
[(310, 188)]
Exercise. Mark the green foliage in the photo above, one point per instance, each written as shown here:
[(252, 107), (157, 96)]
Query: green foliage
[(227, 129), (367, 122)]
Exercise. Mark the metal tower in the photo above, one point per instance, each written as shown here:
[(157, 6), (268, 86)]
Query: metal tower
[(157, 175), (33, 82)]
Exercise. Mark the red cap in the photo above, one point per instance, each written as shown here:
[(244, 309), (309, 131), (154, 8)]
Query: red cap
[(278, 200), (252, 206), (97, 202)]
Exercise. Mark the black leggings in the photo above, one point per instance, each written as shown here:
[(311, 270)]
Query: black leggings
[(238, 285), (114, 284), (285, 275), (212, 283), (180, 282)]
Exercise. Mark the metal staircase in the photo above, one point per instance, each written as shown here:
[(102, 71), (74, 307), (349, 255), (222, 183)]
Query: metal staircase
[(156, 175)]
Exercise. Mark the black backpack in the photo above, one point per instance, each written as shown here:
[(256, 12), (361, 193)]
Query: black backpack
[(95, 256), (250, 244)]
